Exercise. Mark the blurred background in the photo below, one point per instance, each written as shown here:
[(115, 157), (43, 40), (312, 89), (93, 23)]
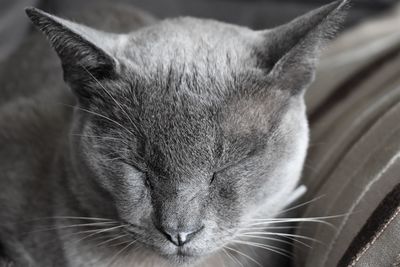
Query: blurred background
[(257, 14)]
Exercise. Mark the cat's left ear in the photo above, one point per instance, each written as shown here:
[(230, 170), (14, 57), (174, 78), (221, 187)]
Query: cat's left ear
[(290, 52), (85, 53)]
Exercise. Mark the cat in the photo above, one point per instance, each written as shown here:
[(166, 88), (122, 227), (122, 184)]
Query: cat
[(172, 145)]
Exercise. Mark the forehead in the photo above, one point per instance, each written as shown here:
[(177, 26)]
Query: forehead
[(192, 84), (179, 125), (193, 41), (186, 120), (189, 63)]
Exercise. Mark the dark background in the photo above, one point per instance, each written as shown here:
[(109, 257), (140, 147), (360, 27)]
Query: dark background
[(257, 14)]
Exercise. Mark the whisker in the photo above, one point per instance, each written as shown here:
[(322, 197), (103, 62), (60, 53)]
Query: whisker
[(285, 235), (101, 231), (269, 228), (101, 137), (244, 255), (113, 153), (109, 94), (101, 116), (287, 220), (71, 226), (120, 243), (302, 219), (121, 251), (232, 257), (68, 235), (302, 204), (276, 239), (272, 239), (71, 217), (112, 159), (111, 240), (263, 246)]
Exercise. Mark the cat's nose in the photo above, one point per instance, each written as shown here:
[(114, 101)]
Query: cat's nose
[(179, 238)]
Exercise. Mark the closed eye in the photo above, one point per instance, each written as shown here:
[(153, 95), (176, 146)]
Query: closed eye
[(142, 172), (213, 178), (231, 164), (141, 167)]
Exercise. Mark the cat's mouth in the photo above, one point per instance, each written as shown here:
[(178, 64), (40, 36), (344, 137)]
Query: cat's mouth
[(182, 252), (183, 257)]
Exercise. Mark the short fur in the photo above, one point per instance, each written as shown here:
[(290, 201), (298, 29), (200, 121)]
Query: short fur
[(184, 125)]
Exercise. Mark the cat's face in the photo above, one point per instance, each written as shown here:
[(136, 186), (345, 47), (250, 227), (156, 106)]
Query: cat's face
[(181, 164), (192, 127)]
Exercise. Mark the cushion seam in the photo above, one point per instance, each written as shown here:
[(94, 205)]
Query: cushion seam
[(357, 201), (366, 248)]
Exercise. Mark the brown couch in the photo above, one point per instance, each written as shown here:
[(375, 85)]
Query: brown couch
[(353, 168)]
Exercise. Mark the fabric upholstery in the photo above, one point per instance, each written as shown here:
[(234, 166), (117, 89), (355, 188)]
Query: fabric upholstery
[(354, 160), (354, 157), (376, 237)]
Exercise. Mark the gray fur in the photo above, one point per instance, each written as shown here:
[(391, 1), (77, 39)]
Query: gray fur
[(183, 125)]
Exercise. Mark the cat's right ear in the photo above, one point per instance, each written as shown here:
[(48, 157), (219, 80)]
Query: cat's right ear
[(85, 53)]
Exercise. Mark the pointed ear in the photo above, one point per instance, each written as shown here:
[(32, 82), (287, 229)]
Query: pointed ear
[(85, 53), (291, 51)]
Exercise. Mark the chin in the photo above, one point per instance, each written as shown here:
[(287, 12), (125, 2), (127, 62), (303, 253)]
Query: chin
[(183, 260), (183, 257)]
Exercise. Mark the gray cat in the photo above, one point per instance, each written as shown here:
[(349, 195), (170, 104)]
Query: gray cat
[(177, 143)]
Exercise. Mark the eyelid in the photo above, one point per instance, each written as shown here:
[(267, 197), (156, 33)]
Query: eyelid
[(135, 166), (213, 178), (230, 164), (227, 166)]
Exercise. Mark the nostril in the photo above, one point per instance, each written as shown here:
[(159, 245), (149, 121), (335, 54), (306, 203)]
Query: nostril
[(180, 238)]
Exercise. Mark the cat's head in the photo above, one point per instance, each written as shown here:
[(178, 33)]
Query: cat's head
[(192, 127)]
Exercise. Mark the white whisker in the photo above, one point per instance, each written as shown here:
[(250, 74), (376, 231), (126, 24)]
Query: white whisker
[(268, 228), (302, 204), (285, 235), (101, 231), (109, 94), (72, 217), (263, 246), (272, 239), (71, 226), (120, 243), (232, 257), (244, 255), (292, 220), (276, 239), (101, 116), (299, 219), (113, 159), (111, 240), (121, 251), (102, 137)]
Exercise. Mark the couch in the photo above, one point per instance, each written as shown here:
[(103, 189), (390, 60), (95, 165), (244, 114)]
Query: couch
[(353, 168)]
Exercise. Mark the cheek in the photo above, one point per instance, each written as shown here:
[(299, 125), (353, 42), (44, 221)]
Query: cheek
[(225, 202), (133, 197), (274, 190)]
